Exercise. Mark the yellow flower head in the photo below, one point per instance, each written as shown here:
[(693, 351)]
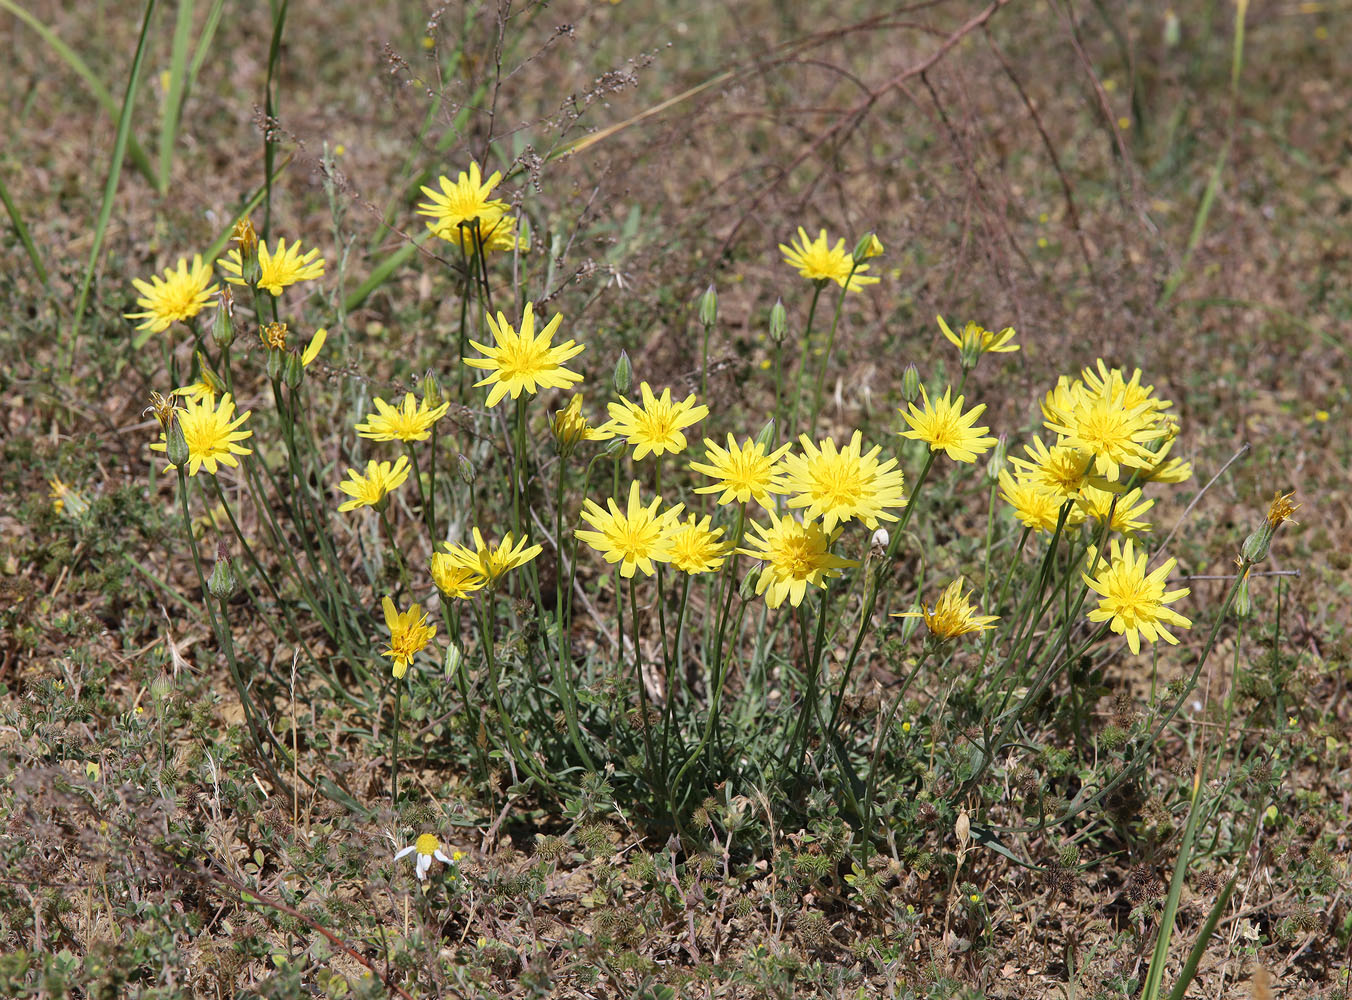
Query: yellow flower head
[(492, 561), (817, 260), (952, 615), (409, 633), (944, 427), (461, 207), (695, 547), (656, 425), (412, 421), (1101, 423), (381, 478), (424, 849), (212, 433), (1096, 504), (571, 428), (1034, 505), (1132, 601), (523, 361), (635, 537), (277, 269), (181, 294), (837, 485), (977, 339), (196, 392), (1101, 378), (1061, 470), (742, 472), (1281, 509), (793, 554), (453, 578)]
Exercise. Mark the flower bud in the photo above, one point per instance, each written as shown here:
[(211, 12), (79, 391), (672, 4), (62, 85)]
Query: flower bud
[(454, 658), (176, 445), (432, 389), (1243, 606), (276, 359), (465, 469), (624, 374), (708, 307), (765, 437), (1256, 546), (879, 542), (223, 322), (748, 588), (161, 688), (523, 233), (910, 384), (222, 584), (293, 370), (779, 322), (868, 246), (973, 345), (996, 463), (245, 239), (209, 378), (1173, 29)]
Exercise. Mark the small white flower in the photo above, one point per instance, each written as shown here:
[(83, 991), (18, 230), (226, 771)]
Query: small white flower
[(428, 847)]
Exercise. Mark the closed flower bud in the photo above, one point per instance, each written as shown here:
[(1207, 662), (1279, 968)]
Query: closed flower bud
[(996, 463), (708, 307), (176, 444), (160, 688), (222, 584), (209, 377), (245, 239), (624, 374), (1256, 546), (223, 322), (432, 389), (465, 469), (868, 246), (293, 370), (910, 384), (748, 588), (765, 437), (1243, 605), (276, 359), (523, 234), (779, 322), (454, 658), (879, 542)]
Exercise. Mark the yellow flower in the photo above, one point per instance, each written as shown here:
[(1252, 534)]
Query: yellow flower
[(817, 260), (571, 428), (635, 537), (409, 633), (492, 561), (196, 392), (656, 425), (523, 361), (67, 500), (412, 421), (211, 432), (277, 269), (1034, 505), (1132, 601), (837, 485), (1102, 423), (944, 427), (368, 491), (427, 847), (275, 335), (1061, 470), (180, 295), (952, 615), (743, 472), (453, 578), (458, 206), (974, 333), (1096, 503), (695, 547), (1281, 509), (793, 554)]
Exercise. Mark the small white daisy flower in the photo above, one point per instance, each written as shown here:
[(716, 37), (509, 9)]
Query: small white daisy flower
[(428, 847)]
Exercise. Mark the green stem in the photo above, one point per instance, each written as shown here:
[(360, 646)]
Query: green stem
[(792, 426), (830, 345), (394, 749)]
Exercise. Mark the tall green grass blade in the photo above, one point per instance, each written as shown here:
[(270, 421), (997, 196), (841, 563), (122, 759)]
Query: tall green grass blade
[(383, 270), (270, 111), (199, 56), (22, 231), (1155, 977), (72, 59), (1213, 918), (110, 187), (173, 100)]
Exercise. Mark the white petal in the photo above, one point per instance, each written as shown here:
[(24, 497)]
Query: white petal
[(442, 858), (404, 853), (424, 863)]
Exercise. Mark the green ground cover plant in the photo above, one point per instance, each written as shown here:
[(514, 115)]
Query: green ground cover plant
[(608, 500)]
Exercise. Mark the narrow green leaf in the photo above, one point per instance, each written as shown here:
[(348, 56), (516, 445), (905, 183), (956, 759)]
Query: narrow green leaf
[(110, 187), (22, 231), (72, 59), (173, 100)]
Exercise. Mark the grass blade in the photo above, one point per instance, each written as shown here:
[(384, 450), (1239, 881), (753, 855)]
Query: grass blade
[(24, 237), (72, 59), (270, 112), (173, 100), (110, 187)]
